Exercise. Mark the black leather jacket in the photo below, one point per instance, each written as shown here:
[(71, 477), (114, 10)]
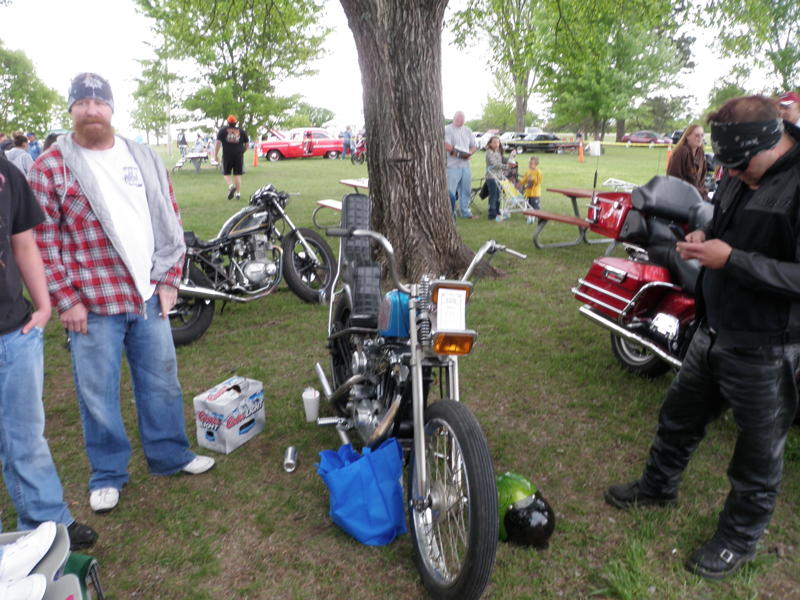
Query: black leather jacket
[(760, 293)]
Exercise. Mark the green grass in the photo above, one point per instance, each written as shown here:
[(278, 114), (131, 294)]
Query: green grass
[(542, 382)]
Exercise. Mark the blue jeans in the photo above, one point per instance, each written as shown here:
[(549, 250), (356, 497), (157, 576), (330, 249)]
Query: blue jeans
[(458, 182), (96, 362), (28, 470)]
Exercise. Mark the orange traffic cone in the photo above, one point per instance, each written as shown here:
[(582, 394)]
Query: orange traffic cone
[(255, 157), (580, 151)]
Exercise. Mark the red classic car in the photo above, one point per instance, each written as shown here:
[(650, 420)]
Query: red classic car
[(301, 143)]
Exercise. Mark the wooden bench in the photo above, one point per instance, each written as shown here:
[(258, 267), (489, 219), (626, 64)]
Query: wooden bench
[(326, 203)]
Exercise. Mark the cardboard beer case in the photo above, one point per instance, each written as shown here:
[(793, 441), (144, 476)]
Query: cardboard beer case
[(229, 414)]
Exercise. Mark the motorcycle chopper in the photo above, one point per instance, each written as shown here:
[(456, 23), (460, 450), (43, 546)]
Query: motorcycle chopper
[(385, 354), (646, 300), (253, 250)]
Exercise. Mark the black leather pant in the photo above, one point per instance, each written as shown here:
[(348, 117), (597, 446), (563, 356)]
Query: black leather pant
[(759, 386)]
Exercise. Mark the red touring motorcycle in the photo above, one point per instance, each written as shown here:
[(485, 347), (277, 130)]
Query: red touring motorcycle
[(646, 300)]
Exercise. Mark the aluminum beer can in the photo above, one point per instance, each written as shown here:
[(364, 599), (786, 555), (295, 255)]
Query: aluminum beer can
[(290, 459)]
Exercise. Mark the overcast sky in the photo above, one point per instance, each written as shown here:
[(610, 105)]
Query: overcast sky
[(66, 37)]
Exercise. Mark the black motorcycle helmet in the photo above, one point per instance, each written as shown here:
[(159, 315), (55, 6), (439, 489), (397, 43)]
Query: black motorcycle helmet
[(530, 522)]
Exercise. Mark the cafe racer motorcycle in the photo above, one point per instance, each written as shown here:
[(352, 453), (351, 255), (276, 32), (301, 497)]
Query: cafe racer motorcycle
[(253, 250)]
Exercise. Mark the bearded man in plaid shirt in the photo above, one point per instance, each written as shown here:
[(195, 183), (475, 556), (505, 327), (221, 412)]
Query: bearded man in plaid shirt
[(112, 246)]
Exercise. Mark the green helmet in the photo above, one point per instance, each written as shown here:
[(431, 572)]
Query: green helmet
[(525, 516), (511, 488)]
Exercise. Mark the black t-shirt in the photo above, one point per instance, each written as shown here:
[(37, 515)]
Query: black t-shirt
[(234, 140), (19, 212)]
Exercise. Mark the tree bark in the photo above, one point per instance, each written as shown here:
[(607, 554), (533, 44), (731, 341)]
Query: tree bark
[(399, 52)]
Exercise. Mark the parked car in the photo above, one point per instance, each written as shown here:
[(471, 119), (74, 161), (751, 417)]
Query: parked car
[(645, 137), (297, 144), (510, 138), (543, 142), (676, 135), (484, 139)]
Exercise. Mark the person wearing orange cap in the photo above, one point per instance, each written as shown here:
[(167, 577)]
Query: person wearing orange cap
[(789, 107), (233, 141)]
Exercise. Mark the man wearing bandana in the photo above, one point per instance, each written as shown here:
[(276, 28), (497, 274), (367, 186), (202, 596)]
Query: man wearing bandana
[(746, 350)]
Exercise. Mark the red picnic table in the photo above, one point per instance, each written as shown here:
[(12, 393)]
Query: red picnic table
[(544, 217)]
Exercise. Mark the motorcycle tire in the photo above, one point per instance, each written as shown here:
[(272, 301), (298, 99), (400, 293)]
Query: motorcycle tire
[(190, 317), (455, 545), (341, 347), (357, 159), (303, 277), (636, 359)]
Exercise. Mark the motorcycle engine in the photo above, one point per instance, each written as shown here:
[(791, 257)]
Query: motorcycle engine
[(257, 270), (369, 402)]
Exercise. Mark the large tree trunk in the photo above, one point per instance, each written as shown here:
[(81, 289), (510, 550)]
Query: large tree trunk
[(399, 51)]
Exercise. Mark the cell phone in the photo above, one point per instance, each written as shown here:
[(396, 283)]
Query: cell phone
[(677, 231)]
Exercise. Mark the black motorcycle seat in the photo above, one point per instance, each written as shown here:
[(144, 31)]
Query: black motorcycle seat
[(192, 241), (684, 272)]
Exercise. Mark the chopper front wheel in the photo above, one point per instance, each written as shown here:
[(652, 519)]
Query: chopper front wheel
[(305, 276), (455, 537)]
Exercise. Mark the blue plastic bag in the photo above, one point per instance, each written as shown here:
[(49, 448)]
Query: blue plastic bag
[(366, 494)]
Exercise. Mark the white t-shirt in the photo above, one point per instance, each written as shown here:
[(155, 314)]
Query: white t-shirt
[(122, 186), (460, 138)]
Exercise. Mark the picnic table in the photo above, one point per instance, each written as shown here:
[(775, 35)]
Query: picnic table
[(544, 217), (336, 205), (196, 158), (357, 184)]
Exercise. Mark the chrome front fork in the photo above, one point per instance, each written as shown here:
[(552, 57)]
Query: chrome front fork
[(421, 500)]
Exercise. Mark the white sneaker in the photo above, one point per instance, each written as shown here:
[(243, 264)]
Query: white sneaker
[(20, 557), (31, 587), (199, 464), (103, 499)]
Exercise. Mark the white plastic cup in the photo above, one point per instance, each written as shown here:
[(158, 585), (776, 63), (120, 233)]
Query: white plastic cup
[(311, 404)]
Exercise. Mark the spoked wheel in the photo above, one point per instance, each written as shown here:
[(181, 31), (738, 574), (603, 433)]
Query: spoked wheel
[(636, 358), (305, 276), (190, 317), (357, 159), (455, 536)]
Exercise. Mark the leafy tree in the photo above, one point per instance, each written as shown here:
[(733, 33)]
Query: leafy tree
[(499, 114), (608, 56), (759, 33), (516, 31), (721, 93), (26, 103), (661, 114), (399, 51), (304, 114), (152, 94), (241, 49)]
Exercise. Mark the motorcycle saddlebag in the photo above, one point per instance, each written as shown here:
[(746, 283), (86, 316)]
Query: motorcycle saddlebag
[(612, 283)]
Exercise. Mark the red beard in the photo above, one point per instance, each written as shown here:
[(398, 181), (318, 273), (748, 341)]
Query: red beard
[(94, 133)]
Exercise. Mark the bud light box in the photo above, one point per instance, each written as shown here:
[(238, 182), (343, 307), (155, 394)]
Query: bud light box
[(229, 414)]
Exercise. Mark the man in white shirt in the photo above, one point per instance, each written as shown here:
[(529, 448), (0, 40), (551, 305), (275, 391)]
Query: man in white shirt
[(459, 143), (112, 246)]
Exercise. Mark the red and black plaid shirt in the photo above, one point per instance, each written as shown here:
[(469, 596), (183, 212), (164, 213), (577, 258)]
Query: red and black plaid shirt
[(80, 262)]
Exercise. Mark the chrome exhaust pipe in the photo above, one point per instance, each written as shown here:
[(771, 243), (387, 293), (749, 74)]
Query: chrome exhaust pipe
[(342, 389), (628, 335), (194, 291)]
